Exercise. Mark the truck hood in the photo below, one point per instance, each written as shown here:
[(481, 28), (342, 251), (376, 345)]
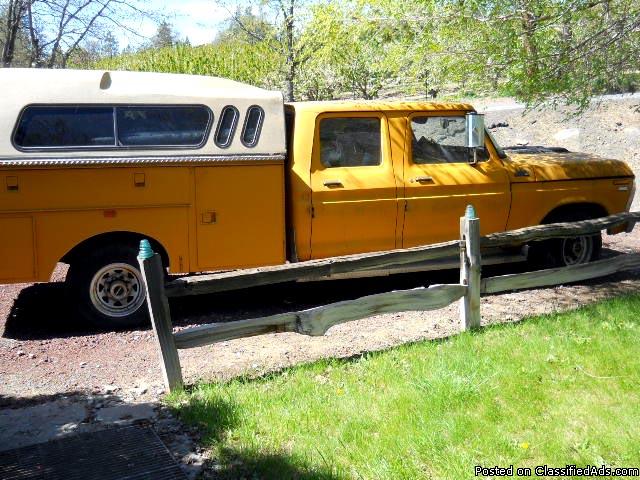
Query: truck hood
[(543, 164)]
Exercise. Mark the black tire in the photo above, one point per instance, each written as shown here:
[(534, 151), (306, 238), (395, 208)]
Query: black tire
[(107, 289), (566, 252)]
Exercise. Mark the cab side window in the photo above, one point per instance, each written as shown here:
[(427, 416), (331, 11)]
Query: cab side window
[(440, 140), (350, 142)]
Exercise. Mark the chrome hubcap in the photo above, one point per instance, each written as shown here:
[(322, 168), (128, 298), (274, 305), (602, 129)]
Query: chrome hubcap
[(577, 250), (116, 290)]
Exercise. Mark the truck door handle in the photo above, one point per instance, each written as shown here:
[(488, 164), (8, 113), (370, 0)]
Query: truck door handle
[(424, 179), (332, 183)]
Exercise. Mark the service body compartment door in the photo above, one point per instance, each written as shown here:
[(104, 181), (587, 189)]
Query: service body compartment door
[(16, 249), (240, 215), (353, 185), (439, 181)]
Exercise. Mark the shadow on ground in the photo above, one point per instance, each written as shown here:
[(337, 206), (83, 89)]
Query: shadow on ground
[(250, 464), (27, 421), (9, 401), (215, 417), (44, 311)]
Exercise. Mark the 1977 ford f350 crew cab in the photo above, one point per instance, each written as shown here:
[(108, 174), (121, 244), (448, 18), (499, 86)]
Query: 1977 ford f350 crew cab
[(221, 175)]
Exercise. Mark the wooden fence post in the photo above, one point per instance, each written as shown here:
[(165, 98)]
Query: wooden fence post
[(153, 275), (470, 269)]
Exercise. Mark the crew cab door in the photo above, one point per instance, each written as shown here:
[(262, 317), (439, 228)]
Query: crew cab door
[(439, 182), (353, 185)]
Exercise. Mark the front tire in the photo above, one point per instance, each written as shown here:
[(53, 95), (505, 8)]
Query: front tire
[(566, 252), (578, 250), (107, 288)]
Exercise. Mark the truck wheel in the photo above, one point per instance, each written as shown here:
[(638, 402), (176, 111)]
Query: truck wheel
[(107, 288), (578, 250), (565, 252)]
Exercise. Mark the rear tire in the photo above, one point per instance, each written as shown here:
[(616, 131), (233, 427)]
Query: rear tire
[(107, 288)]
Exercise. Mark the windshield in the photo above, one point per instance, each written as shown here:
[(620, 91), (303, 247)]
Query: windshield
[(501, 153)]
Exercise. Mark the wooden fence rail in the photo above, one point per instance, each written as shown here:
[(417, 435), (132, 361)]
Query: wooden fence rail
[(556, 276), (313, 269), (316, 321), (560, 230)]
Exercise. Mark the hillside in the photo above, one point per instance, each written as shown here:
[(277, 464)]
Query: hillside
[(610, 127)]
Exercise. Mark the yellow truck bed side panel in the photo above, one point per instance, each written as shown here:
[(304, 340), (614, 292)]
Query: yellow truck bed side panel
[(167, 225), (16, 249), (71, 205), (95, 187)]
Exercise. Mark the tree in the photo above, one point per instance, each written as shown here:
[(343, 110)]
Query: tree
[(94, 50), (165, 36), (282, 34), (57, 29), (563, 50), (362, 57), (109, 46), (13, 14), (246, 26)]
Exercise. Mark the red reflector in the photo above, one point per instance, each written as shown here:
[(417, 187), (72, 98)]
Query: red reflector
[(109, 213)]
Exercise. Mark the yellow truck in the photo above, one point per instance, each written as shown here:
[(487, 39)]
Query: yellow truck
[(222, 175)]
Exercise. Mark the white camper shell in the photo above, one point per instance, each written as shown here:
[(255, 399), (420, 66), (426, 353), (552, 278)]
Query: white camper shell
[(221, 119)]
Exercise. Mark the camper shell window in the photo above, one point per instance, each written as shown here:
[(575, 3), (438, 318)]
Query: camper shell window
[(65, 126), (226, 126), (94, 127), (252, 125), (162, 126)]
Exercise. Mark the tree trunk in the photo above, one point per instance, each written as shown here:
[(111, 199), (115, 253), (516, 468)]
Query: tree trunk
[(290, 78), (36, 49), (291, 60), (15, 12), (529, 44)]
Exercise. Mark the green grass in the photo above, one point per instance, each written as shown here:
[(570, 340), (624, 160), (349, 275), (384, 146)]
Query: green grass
[(557, 389)]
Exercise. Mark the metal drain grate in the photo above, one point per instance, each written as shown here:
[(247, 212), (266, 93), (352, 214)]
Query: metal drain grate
[(127, 453)]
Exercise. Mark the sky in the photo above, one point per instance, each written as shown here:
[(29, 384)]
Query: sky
[(197, 19)]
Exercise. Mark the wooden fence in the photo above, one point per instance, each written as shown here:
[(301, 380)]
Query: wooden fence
[(316, 321)]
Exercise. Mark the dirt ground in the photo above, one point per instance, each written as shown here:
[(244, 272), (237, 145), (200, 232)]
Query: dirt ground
[(45, 352)]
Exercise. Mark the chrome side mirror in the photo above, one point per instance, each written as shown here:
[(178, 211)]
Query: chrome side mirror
[(474, 133)]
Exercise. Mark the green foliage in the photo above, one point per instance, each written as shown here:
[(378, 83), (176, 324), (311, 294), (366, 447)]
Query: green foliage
[(558, 389), (253, 64), (246, 27), (355, 56), (543, 49), (536, 50)]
